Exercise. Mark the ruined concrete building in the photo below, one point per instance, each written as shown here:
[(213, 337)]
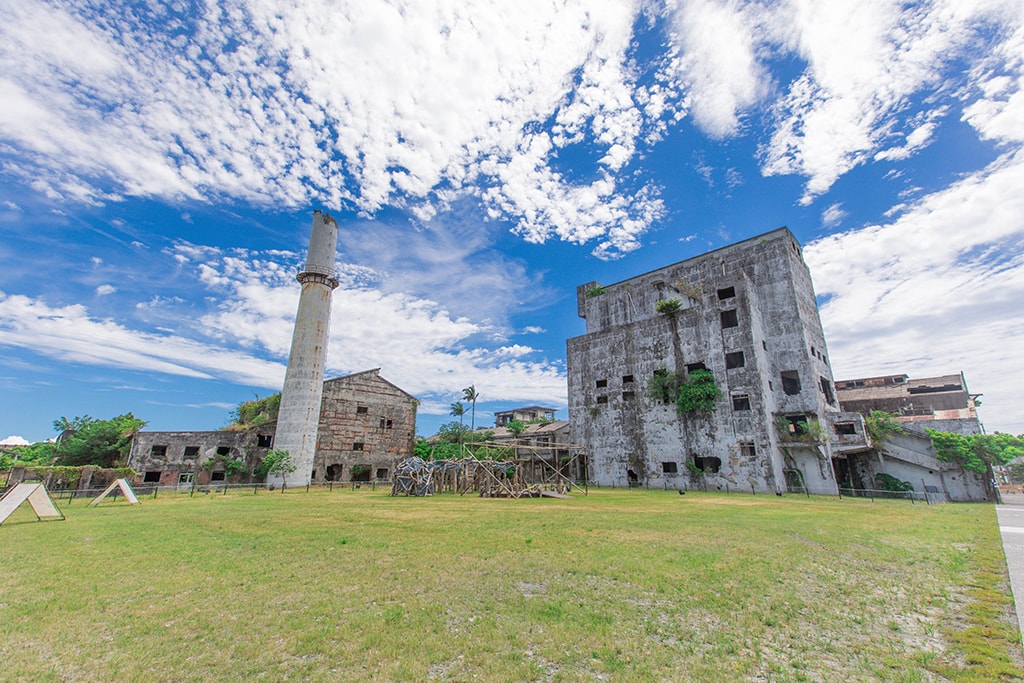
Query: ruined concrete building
[(943, 403), (737, 329), (366, 425), (747, 314)]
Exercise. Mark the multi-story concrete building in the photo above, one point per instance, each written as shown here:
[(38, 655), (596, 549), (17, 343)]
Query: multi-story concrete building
[(367, 424), (942, 403), (746, 313)]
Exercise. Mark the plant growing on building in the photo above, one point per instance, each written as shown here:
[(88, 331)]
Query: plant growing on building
[(663, 385), (698, 393), (668, 306), (254, 413), (595, 292), (881, 425), (691, 290), (88, 441), (516, 428), (800, 430)]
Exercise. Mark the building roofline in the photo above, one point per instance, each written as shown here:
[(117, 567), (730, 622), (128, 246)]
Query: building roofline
[(375, 372)]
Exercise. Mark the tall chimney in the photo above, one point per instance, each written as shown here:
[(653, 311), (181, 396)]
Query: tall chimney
[(299, 416)]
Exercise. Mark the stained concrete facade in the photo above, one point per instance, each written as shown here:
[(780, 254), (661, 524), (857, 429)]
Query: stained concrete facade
[(527, 414), (366, 425), (747, 313), (943, 403)]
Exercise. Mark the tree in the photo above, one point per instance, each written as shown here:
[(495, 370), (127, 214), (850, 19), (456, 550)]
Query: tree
[(977, 452), (880, 425), (277, 462), (516, 427), (471, 395), (87, 441), (256, 412), (40, 454)]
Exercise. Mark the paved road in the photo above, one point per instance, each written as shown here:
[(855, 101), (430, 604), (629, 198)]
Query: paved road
[(1011, 527)]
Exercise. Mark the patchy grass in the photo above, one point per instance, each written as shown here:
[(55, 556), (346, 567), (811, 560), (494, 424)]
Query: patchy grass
[(620, 585)]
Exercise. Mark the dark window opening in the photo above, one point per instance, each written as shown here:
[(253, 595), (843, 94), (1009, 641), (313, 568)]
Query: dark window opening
[(628, 395), (790, 382), (814, 352), (388, 424), (826, 388), (223, 450), (824, 359), (357, 446), (601, 383), (726, 293), (694, 367), (770, 387), (382, 422), (602, 399), (846, 428), (741, 402), (626, 379), (158, 452), (362, 410), (734, 360), (361, 472), (747, 449), (669, 468), (707, 464), (216, 476), (730, 319), (382, 473), (152, 477), (764, 345), (334, 472), (191, 451), (631, 477), (799, 425), (264, 440)]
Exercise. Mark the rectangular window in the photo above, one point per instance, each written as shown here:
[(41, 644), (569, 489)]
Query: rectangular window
[(826, 389), (357, 446), (740, 402), (734, 360), (185, 478), (730, 319), (602, 399), (669, 468), (764, 345), (216, 476), (846, 428), (382, 473), (601, 383), (223, 450), (694, 367), (382, 422), (747, 449), (628, 395), (726, 293), (191, 451), (388, 424), (158, 452), (626, 379), (264, 440), (152, 477), (790, 382), (362, 410)]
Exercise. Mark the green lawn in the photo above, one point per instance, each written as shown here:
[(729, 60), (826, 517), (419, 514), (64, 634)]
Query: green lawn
[(621, 585)]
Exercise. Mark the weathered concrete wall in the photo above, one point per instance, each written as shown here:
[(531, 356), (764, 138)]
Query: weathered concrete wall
[(754, 298), (365, 421), (172, 453)]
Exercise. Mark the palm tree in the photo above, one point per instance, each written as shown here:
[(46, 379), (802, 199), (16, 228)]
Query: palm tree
[(458, 410), (469, 393)]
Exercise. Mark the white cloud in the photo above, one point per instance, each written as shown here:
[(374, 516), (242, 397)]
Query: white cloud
[(105, 290), (15, 441), (833, 215), (935, 291)]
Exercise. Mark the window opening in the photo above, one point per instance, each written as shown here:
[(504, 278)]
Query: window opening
[(334, 472), (601, 383), (826, 388), (382, 473), (602, 399), (264, 440), (362, 410), (764, 345), (747, 449), (790, 382), (846, 428), (741, 402), (626, 379), (388, 424), (357, 446), (158, 452), (734, 360), (694, 367), (216, 476), (382, 421), (185, 478), (707, 464), (628, 395), (152, 477), (726, 293), (669, 468), (191, 451), (730, 319), (223, 450)]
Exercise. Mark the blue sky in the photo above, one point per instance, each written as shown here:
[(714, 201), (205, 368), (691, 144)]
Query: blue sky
[(159, 165)]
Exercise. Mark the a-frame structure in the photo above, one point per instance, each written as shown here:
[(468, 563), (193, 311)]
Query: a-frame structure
[(37, 497), (123, 486)]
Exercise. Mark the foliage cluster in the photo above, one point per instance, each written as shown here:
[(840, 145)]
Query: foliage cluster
[(1017, 472), (803, 430), (887, 482), (663, 385), (516, 428), (976, 452), (40, 454), (256, 412), (668, 306), (881, 425), (697, 393), (88, 441), (595, 292), (277, 462), (232, 467)]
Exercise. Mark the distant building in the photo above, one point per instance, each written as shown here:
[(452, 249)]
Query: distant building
[(528, 414), (367, 424), (942, 403)]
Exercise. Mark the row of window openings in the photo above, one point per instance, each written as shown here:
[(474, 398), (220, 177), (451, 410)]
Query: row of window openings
[(708, 464), (262, 441), (819, 355), (384, 423), (790, 382)]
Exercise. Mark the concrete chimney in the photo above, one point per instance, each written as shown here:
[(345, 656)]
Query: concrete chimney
[(299, 417)]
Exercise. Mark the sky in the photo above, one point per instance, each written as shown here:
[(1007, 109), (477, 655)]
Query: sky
[(160, 163)]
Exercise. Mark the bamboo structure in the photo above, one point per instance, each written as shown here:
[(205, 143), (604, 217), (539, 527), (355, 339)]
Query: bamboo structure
[(528, 471)]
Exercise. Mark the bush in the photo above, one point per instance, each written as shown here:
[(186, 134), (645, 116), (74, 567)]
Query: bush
[(887, 482)]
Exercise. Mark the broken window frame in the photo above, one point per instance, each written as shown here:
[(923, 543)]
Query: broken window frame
[(735, 360), (729, 318)]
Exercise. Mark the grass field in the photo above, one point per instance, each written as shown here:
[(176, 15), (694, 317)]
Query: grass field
[(621, 585)]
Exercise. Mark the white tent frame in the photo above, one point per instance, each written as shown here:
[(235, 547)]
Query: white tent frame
[(126, 490), (36, 495)]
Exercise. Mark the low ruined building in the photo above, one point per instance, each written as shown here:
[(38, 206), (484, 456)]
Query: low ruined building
[(747, 314), (942, 403), (367, 424), (527, 414)]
